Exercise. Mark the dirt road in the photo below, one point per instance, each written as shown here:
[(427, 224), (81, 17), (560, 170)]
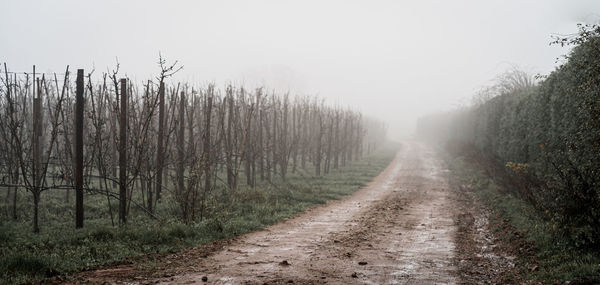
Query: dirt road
[(408, 226), (397, 230)]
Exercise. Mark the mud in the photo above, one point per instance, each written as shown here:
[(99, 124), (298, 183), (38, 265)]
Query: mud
[(408, 226), (481, 257), (397, 230)]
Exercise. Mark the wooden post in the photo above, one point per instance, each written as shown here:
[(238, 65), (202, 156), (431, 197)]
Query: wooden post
[(336, 150), (304, 132), (37, 108), (159, 148), (79, 150), (267, 149), (261, 146), (275, 141), (36, 130), (123, 154), (247, 148), (15, 162), (294, 138), (319, 146), (207, 152), (344, 141), (229, 140), (284, 151), (147, 163), (181, 148)]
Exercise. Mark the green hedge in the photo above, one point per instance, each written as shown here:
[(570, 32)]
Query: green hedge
[(552, 131)]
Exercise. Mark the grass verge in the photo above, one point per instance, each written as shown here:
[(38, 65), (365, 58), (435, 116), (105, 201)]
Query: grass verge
[(61, 250), (555, 261)]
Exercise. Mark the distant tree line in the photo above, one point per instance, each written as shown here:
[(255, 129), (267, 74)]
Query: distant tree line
[(141, 141), (548, 134)]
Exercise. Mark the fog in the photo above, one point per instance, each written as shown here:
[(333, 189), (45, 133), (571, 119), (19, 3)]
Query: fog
[(393, 60)]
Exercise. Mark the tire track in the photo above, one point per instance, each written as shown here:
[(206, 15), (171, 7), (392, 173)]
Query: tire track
[(399, 229)]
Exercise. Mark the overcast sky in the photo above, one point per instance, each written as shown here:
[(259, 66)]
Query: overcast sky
[(395, 60)]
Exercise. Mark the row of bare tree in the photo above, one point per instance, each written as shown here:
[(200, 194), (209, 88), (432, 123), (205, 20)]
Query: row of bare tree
[(138, 142)]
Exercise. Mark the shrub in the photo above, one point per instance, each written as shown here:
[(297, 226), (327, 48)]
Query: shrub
[(549, 135)]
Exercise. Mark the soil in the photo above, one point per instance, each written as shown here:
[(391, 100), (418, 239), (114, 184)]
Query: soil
[(411, 225)]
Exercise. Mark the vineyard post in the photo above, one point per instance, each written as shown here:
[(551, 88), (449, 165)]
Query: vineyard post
[(37, 108), (294, 137), (159, 148), (283, 144), (147, 163), (181, 154), (229, 139), (247, 147), (275, 141), (261, 146), (207, 159), (36, 139), (79, 150), (318, 155), (336, 151), (123, 154)]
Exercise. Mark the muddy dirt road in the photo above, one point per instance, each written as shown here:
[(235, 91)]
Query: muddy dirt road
[(397, 230), (413, 224)]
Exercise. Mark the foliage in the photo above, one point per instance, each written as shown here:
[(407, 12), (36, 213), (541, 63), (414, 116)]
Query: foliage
[(517, 167), (554, 128), (557, 261)]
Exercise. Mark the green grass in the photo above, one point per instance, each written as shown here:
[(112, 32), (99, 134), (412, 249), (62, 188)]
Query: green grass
[(61, 249), (557, 260)]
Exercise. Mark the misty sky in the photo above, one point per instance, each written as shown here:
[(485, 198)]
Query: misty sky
[(395, 60)]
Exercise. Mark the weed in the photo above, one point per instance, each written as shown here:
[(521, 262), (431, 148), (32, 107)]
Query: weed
[(60, 249), (558, 260)]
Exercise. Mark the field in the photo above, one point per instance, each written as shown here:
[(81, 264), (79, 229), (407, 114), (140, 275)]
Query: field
[(304, 142), (60, 249)]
